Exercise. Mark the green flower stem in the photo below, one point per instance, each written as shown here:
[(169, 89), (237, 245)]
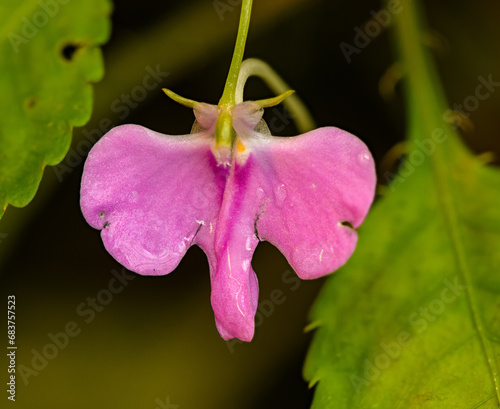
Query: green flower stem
[(224, 124), (228, 96), (255, 67)]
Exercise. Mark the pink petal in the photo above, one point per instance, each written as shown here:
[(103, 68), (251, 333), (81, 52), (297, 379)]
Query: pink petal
[(153, 196), (296, 193), (308, 189), (234, 283)]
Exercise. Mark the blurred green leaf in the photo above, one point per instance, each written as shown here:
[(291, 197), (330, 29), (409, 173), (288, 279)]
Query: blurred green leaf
[(48, 56), (413, 320)]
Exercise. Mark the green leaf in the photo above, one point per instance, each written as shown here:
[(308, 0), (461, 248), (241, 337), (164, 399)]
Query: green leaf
[(49, 54), (413, 320)]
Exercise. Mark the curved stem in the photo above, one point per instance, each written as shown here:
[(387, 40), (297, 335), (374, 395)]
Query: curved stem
[(255, 67), (228, 95)]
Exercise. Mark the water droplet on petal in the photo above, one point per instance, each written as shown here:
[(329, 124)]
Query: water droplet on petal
[(182, 246), (280, 194), (133, 197), (260, 194), (248, 244), (364, 157)]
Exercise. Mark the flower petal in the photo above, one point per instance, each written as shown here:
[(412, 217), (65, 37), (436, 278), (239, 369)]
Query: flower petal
[(310, 192), (234, 283), (153, 196)]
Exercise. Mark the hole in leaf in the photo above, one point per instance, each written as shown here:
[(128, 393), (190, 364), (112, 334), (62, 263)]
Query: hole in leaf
[(347, 224), (68, 51), (30, 103)]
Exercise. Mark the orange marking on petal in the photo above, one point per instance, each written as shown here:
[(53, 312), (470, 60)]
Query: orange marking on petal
[(241, 147)]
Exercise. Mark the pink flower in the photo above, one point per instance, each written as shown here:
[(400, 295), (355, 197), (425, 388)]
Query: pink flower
[(153, 196)]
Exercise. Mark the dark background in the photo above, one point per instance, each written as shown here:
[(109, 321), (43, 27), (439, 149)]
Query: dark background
[(157, 339)]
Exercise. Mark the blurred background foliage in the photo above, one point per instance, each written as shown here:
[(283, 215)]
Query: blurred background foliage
[(156, 338)]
